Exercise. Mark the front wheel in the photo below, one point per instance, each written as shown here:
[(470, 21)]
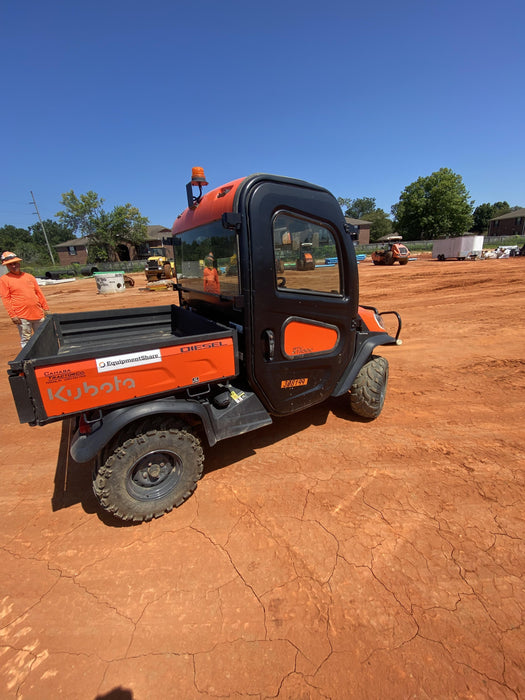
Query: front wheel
[(368, 391), (150, 474)]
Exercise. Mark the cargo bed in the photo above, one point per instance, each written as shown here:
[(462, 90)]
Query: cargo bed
[(83, 361)]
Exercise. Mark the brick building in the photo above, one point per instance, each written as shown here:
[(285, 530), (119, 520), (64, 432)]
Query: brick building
[(511, 224), (73, 251), (362, 228), (76, 250)]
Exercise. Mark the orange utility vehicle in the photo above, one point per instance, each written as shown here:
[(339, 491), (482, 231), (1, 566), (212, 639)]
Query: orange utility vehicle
[(393, 251), (145, 387)]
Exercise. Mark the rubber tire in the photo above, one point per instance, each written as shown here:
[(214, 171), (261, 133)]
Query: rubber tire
[(367, 395), (403, 262), (125, 497)]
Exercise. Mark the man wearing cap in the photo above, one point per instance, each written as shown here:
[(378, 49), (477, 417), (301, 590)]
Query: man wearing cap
[(22, 297), (211, 276)]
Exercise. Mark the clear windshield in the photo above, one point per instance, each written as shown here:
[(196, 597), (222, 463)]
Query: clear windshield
[(207, 259)]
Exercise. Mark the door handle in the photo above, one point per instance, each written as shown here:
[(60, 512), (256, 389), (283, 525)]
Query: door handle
[(269, 344)]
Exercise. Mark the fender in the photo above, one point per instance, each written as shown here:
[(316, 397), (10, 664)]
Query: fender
[(85, 447), (365, 343)]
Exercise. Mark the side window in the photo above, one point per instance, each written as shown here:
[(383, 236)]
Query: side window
[(207, 260), (306, 256)]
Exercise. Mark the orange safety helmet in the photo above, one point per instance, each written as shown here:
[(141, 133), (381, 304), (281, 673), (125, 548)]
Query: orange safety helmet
[(8, 258)]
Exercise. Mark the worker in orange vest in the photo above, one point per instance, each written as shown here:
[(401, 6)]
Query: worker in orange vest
[(22, 297), (211, 276)]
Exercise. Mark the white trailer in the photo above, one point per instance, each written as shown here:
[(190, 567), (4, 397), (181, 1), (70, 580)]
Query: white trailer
[(460, 248)]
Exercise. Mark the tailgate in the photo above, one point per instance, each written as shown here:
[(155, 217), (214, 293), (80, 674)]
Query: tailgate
[(92, 360), (71, 387)]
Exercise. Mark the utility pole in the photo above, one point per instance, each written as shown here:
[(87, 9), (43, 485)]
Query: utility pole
[(43, 229)]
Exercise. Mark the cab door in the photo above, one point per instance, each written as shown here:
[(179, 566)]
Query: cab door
[(302, 294)]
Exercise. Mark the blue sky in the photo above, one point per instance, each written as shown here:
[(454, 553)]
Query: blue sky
[(123, 98)]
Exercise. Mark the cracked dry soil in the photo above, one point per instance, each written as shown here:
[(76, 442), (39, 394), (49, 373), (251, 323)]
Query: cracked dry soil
[(321, 557)]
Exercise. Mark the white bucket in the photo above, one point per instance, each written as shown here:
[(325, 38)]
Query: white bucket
[(109, 282)]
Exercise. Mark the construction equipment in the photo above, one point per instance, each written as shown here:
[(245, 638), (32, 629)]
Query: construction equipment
[(144, 387), (393, 251), (306, 260), (159, 266)]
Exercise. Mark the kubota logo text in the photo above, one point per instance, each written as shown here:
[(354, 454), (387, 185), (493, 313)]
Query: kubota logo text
[(85, 389)]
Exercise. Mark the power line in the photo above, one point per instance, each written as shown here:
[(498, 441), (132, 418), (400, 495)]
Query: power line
[(43, 229)]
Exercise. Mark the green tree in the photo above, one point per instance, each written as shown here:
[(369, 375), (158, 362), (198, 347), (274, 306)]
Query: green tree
[(380, 224), (435, 206), (365, 208), (358, 208), (485, 212), (106, 231), (56, 233), (124, 224), (80, 213), (17, 240)]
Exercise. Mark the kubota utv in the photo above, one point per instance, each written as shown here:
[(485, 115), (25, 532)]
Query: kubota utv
[(144, 388)]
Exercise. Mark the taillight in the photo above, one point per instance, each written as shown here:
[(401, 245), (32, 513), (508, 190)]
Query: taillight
[(89, 422), (84, 427)]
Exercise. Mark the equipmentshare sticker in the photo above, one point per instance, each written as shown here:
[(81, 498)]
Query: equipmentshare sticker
[(133, 359)]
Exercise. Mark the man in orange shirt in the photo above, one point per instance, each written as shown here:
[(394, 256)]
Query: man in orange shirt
[(22, 298), (211, 276)]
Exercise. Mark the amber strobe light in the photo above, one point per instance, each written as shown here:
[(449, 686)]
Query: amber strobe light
[(198, 179)]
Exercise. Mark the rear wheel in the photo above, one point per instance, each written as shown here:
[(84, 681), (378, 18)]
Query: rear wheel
[(368, 391), (149, 474)]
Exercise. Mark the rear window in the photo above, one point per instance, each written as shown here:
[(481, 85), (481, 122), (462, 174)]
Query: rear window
[(207, 259)]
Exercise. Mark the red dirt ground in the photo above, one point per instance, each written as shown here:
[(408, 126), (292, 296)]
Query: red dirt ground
[(321, 557)]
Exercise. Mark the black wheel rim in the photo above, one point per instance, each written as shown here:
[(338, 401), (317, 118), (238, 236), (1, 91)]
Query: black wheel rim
[(154, 475)]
